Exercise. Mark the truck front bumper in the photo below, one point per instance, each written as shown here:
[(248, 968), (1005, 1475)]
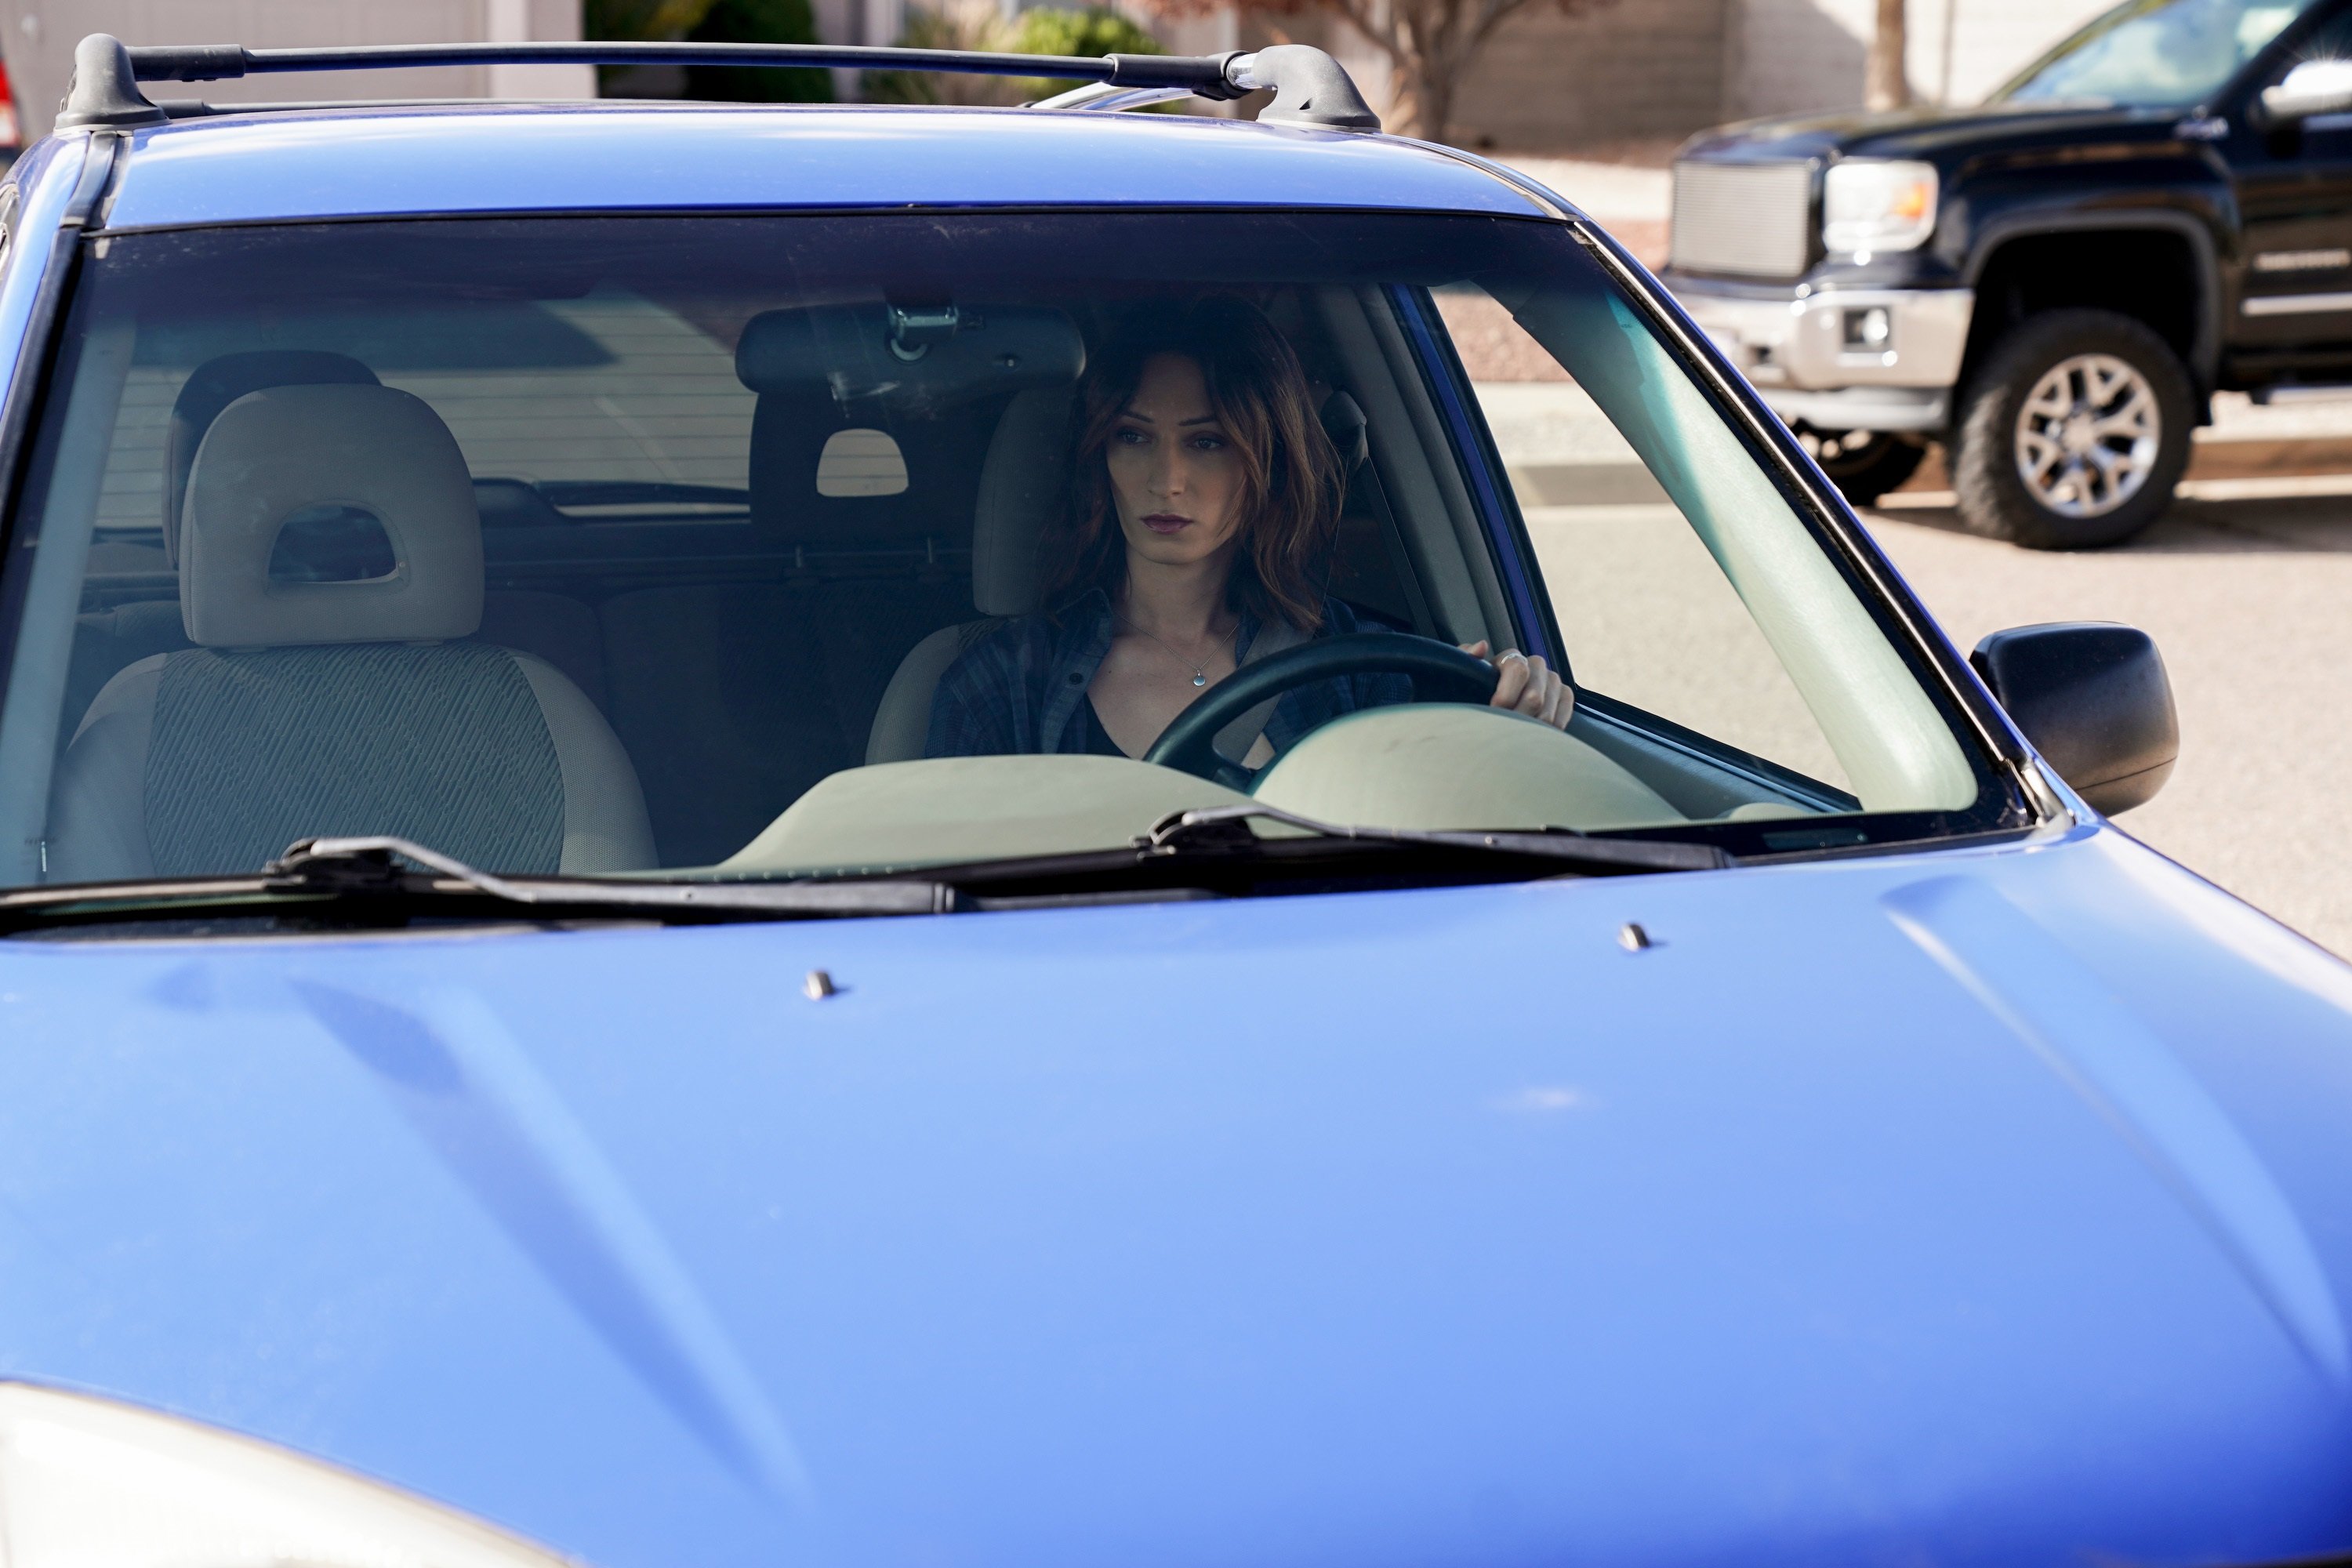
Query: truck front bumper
[(1860, 359)]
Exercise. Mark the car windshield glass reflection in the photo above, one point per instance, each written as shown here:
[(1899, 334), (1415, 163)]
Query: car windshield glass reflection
[(789, 547)]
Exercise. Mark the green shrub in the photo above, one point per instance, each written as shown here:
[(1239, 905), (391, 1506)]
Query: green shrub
[(1092, 32), (1045, 30), (640, 21), (968, 27)]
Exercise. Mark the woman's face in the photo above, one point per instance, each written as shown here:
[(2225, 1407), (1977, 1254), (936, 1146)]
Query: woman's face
[(1175, 472)]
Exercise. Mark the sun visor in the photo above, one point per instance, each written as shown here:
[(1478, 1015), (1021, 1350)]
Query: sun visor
[(909, 358)]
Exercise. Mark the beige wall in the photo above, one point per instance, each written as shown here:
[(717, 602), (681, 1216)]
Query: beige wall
[(1638, 69), (38, 37)]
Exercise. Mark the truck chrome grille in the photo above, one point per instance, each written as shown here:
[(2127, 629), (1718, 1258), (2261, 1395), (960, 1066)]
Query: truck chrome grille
[(1751, 219)]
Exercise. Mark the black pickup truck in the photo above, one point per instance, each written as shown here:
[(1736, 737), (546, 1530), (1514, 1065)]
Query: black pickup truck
[(2052, 284)]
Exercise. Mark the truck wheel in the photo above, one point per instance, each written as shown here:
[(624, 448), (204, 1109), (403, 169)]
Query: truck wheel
[(1863, 464), (2074, 433)]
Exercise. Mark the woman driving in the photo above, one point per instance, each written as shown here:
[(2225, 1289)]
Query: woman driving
[(1205, 503)]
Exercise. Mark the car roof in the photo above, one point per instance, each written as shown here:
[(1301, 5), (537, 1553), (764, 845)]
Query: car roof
[(417, 160)]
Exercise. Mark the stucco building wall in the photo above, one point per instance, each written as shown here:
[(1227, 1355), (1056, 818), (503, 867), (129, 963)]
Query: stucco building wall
[(1637, 69), (38, 38)]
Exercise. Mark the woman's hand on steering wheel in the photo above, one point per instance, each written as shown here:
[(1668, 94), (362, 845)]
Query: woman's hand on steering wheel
[(1527, 686)]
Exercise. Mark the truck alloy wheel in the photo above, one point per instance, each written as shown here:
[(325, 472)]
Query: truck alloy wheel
[(2087, 436), (2073, 434)]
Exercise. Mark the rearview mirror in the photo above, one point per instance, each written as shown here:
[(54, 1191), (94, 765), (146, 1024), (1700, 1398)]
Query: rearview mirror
[(2093, 698), (2315, 87)]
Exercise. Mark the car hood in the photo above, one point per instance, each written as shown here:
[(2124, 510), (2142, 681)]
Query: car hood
[(1968, 1207), (1939, 135)]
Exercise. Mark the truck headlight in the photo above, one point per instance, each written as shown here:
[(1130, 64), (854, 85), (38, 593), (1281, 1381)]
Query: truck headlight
[(87, 1481), (1877, 204)]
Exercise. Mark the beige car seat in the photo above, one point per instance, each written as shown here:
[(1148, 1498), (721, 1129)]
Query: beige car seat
[(1020, 487), (337, 706)]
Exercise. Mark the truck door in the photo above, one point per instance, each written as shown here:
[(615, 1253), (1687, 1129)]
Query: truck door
[(2293, 316)]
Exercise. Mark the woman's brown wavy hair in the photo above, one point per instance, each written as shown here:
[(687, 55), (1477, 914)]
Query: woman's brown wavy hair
[(1292, 480)]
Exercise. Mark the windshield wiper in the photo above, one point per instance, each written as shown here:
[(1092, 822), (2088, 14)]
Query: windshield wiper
[(1226, 829), (372, 882), (363, 881), (1212, 852), (368, 865)]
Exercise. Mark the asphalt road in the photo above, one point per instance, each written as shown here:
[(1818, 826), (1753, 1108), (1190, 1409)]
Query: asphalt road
[(2246, 587), (2250, 599)]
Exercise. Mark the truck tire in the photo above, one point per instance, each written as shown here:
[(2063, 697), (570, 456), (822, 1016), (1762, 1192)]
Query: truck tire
[(2073, 432), (1863, 464)]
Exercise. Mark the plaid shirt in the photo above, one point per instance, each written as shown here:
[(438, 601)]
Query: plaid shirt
[(1022, 686)]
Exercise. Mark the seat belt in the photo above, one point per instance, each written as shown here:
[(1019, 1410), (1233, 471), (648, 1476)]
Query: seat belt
[(1234, 741)]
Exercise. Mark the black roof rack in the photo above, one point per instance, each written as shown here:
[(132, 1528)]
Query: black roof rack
[(1310, 87)]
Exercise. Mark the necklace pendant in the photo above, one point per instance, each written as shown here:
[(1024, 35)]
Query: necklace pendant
[(1200, 678)]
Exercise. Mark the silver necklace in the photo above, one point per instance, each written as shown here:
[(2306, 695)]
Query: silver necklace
[(1200, 671)]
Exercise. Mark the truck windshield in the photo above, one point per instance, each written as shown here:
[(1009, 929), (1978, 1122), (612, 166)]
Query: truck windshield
[(796, 546), (2154, 54)]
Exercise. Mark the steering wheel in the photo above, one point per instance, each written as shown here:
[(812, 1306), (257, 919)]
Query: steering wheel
[(1440, 671)]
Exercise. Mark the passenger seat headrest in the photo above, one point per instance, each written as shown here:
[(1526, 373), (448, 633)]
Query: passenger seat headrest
[(1022, 489), (908, 359), (288, 450), (217, 383)]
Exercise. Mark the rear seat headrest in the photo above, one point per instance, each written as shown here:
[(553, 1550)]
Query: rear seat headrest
[(1344, 423), (932, 381), (285, 450), (909, 361), (219, 381)]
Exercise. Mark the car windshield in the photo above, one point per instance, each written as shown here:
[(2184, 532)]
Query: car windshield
[(794, 546), (2154, 54)]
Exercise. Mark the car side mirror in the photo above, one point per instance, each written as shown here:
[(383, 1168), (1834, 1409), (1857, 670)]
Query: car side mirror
[(2315, 87), (2093, 698)]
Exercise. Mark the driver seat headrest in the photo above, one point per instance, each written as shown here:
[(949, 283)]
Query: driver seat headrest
[(1027, 475), (221, 380), (367, 456)]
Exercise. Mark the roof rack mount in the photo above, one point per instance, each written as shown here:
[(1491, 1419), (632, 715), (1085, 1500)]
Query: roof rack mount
[(1310, 88)]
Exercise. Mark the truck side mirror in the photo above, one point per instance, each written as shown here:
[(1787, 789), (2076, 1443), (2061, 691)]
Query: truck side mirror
[(2093, 698), (2315, 87)]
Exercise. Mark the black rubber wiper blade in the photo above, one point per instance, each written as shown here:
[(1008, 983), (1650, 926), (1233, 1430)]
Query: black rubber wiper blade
[(340, 865), (1224, 829), (360, 877)]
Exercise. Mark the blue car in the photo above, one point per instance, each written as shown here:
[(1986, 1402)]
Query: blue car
[(1033, 836)]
